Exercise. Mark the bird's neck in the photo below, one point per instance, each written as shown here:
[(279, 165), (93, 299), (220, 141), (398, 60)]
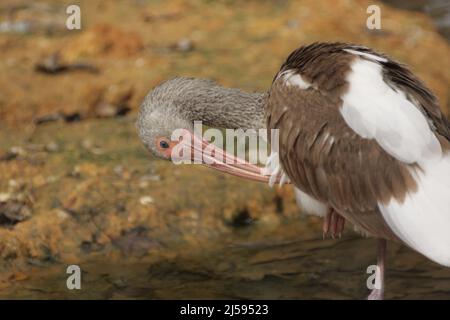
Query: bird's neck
[(221, 107)]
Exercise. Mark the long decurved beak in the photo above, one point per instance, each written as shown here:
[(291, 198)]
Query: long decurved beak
[(212, 156)]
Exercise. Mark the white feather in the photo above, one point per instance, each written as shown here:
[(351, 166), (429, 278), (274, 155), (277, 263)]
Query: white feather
[(306, 203), (366, 55), (422, 221), (309, 205), (274, 170), (375, 111), (292, 78)]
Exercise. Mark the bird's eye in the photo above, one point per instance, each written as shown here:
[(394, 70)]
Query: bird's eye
[(164, 144)]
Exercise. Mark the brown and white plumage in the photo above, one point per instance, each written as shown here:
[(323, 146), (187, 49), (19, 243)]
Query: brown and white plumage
[(358, 154)]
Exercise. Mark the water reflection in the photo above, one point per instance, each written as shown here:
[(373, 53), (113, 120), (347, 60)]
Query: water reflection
[(269, 268)]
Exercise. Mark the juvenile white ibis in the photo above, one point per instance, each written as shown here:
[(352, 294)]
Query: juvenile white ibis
[(361, 138)]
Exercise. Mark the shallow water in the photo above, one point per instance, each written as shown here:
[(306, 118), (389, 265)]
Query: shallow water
[(265, 269)]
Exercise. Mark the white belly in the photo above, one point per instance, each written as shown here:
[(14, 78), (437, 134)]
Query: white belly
[(309, 205)]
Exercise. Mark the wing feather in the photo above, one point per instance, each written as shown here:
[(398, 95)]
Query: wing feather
[(367, 138)]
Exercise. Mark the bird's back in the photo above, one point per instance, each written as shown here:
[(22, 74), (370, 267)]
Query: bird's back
[(356, 131)]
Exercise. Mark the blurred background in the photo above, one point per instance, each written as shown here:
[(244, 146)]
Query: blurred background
[(77, 187)]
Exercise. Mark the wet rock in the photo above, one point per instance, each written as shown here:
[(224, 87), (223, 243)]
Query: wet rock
[(67, 117), (51, 179), (242, 219), (8, 156), (48, 118), (143, 184), (182, 45), (62, 214), (146, 200), (88, 246), (52, 147), (107, 102), (120, 283), (145, 180), (97, 151), (13, 184), (75, 172), (72, 117), (4, 197), (35, 147), (135, 241), (53, 65), (18, 276), (122, 172), (13, 153), (154, 17), (185, 45), (105, 110), (118, 170), (18, 150), (13, 211), (92, 147), (15, 27), (87, 144), (29, 18)]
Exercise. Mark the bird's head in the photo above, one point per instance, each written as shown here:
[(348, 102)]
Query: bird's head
[(156, 129), (166, 125), (159, 117)]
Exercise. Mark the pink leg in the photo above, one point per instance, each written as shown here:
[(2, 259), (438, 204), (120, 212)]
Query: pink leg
[(326, 223), (333, 224), (340, 225), (378, 294)]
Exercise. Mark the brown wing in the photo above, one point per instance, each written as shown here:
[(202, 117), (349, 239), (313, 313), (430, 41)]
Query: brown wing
[(327, 160), (322, 155), (326, 63)]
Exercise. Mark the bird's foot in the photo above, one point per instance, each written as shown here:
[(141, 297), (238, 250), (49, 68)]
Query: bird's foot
[(376, 294), (333, 224)]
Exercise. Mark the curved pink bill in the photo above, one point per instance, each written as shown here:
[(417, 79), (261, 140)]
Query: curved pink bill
[(218, 159)]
